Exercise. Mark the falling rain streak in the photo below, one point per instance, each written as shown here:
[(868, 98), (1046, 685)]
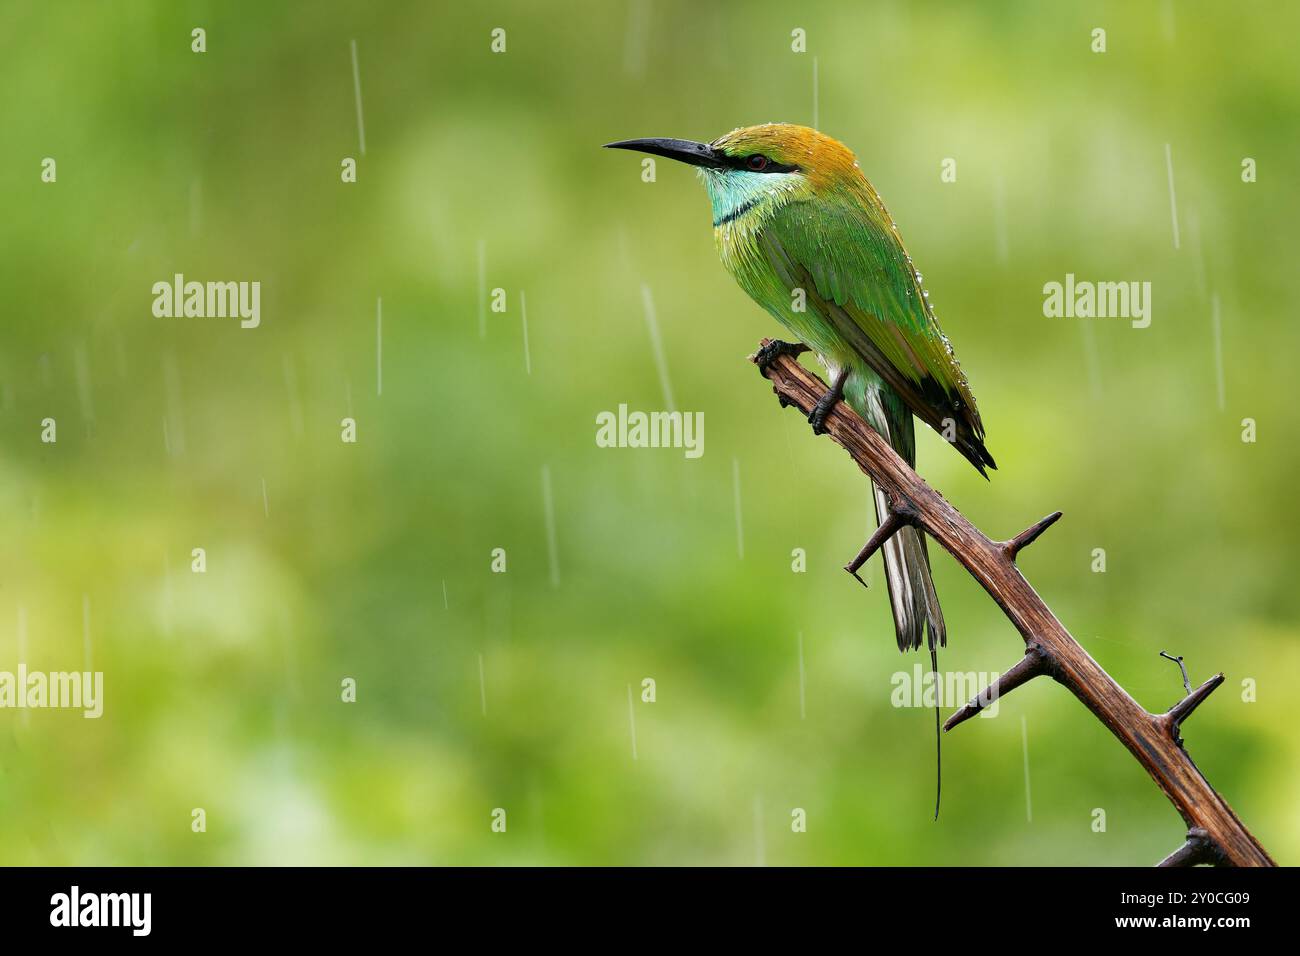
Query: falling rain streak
[(1024, 740), (816, 95), (740, 527), (631, 719), (196, 207), (657, 347), (166, 610), (85, 631), (638, 17), (1000, 243), (523, 309), (22, 651), (548, 507), (1198, 253), (482, 288), (1216, 320), (22, 634), (803, 710), (379, 345), (1173, 199), (356, 88)]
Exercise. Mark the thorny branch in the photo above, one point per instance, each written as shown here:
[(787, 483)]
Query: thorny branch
[(1215, 835)]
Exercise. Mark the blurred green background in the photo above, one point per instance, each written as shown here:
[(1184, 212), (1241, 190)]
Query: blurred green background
[(371, 561)]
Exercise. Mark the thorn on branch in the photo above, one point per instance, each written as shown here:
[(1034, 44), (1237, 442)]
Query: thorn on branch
[(1198, 849), (1028, 536), (895, 519), (1035, 663), (1176, 714)]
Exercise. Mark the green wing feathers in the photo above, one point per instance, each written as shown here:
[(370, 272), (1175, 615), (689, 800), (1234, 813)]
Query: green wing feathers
[(847, 256)]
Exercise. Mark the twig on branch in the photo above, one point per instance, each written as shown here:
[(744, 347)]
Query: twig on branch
[(1152, 739), (1198, 849), (1187, 681)]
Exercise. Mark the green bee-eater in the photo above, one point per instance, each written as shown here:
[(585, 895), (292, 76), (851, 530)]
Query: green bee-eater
[(808, 238)]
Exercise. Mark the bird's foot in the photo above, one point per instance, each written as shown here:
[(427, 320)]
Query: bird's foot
[(817, 417), (773, 350)]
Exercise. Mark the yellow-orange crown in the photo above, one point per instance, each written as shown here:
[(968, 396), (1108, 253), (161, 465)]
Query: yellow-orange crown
[(823, 160)]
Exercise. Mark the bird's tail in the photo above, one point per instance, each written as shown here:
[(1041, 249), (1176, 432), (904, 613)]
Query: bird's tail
[(916, 608), (911, 588)]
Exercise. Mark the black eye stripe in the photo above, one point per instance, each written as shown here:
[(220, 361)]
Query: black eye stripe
[(742, 162)]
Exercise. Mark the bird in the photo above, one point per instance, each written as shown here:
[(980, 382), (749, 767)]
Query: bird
[(803, 231)]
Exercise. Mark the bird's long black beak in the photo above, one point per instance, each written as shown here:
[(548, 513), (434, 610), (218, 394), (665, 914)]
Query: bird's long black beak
[(682, 150)]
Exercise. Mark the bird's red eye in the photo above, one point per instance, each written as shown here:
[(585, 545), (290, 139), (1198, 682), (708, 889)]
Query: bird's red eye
[(757, 162)]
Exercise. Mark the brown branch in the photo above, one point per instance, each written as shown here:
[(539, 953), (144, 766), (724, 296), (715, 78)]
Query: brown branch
[(1152, 739)]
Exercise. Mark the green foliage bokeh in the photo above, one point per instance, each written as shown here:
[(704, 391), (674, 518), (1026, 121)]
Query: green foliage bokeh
[(371, 561)]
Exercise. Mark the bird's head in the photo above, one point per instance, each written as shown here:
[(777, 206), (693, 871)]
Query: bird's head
[(757, 169)]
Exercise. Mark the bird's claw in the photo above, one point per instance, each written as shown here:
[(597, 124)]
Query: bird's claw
[(820, 411), (817, 418), (773, 350)]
